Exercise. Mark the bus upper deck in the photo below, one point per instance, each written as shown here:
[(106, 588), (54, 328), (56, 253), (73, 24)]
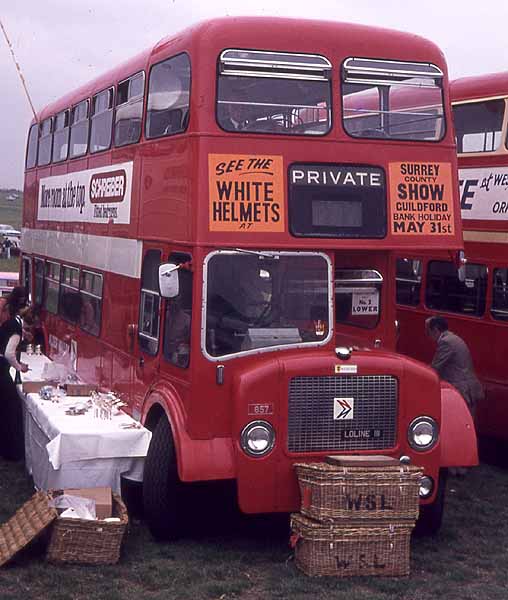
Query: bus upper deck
[(319, 98)]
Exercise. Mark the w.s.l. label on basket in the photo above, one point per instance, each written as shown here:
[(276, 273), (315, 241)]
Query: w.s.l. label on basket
[(347, 551), (359, 493)]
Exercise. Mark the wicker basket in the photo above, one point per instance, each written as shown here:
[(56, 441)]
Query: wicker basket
[(322, 549), (356, 494), (88, 542), (28, 522)]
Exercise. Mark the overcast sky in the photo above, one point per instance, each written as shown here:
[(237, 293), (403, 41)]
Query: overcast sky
[(61, 44)]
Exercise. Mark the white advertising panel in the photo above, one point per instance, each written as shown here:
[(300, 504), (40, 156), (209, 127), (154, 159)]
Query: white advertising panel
[(101, 195), (484, 193)]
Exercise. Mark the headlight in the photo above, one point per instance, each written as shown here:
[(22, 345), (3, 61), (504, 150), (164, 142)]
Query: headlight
[(426, 486), (258, 438), (422, 433)]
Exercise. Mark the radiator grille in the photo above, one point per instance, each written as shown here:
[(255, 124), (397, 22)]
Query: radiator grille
[(311, 423)]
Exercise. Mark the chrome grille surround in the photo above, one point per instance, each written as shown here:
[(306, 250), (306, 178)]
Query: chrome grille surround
[(311, 423)]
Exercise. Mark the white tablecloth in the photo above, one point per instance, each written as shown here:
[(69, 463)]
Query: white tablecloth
[(36, 363), (65, 451)]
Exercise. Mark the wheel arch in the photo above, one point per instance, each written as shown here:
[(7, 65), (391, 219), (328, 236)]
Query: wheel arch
[(458, 436), (197, 460)]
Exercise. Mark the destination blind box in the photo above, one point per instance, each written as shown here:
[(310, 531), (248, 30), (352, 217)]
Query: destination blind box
[(337, 201)]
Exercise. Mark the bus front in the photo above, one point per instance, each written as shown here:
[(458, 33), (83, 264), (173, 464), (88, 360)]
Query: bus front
[(320, 166)]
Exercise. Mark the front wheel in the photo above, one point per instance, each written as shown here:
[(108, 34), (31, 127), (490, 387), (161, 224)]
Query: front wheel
[(431, 515), (163, 504)]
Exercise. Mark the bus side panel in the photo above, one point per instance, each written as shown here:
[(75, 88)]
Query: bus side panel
[(412, 340), (458, 437), (166, 191), (492, 415)]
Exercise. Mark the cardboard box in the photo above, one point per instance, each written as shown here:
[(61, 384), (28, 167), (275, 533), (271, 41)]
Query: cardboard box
[(102, 497), (79, 389), (32, 387)]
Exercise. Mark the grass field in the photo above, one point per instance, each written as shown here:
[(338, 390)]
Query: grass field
[(229, 556)]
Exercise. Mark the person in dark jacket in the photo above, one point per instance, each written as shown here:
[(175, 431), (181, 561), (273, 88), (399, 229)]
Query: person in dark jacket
[(11, 413), (453, 363)]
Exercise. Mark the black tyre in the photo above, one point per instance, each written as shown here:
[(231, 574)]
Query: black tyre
[(163, 504), (431, 515)]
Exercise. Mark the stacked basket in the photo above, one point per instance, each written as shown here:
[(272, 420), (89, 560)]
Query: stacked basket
[(357, 515)]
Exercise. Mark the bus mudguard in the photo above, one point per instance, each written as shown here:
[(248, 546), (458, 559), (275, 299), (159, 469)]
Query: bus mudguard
[(458, 436), (198, 460)]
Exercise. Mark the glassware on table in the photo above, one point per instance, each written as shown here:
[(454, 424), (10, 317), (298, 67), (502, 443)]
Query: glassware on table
[(104, 404)]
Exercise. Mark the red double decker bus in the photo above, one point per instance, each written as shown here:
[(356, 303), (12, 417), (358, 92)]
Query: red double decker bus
[(210, 229), (474, 300)]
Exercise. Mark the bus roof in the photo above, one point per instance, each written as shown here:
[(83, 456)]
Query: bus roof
[(332, 39), (490, 85)]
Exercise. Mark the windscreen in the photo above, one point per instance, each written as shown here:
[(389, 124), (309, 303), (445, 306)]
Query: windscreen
[(256, 301)]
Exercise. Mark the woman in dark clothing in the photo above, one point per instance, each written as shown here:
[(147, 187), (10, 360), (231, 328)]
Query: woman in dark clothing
[(33, 330), (11, 413)]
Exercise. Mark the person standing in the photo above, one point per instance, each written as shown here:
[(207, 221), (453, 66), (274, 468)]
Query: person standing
[(11, 413), (7, 248), (453, 363)]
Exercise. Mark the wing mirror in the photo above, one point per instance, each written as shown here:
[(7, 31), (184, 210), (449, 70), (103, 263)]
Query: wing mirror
[(169, 281), (461, 262)]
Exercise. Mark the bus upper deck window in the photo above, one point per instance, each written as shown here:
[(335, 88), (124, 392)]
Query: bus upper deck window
[(168, 97), (129, 110), (274, 92), (478, 125), (391, 99), (102, 120), (61, 136), (45, 142), (32, 145), (79, 129)]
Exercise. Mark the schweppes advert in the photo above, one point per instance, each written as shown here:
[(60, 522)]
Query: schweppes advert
[(421, 198), (246, 192)]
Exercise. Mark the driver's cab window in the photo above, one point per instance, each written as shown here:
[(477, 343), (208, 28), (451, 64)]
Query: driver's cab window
[(177, 318), (261, 300), (358, 297), (148, 335)]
